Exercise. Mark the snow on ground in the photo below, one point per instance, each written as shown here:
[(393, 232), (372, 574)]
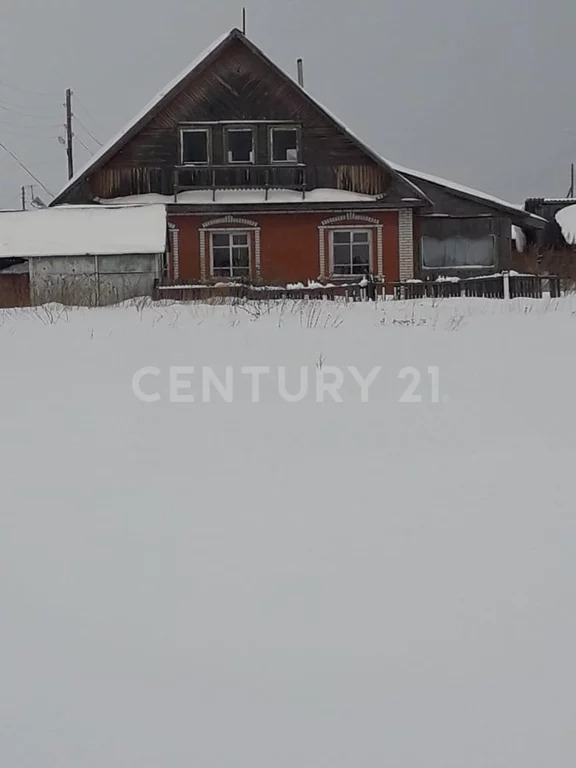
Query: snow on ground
[(289, 584)]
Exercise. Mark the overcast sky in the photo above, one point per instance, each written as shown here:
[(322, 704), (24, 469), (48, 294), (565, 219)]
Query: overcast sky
[(482, 93)]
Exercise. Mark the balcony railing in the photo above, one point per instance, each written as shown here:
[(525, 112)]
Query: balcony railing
[(215, 177)]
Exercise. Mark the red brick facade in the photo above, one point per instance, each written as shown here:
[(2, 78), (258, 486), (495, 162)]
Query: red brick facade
[(284, 247)]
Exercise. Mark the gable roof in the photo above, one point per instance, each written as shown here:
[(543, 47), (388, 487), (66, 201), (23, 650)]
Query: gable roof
[(77, 230), (175, 86), (466, 192), (409, 177)]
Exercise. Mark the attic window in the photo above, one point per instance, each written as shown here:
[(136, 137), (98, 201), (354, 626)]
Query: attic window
[(284, 143), (195, 146), (240, 142)]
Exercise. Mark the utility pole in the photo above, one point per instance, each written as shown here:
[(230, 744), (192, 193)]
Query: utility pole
[(571, 181), (69, 134), (243, 21), (23, 198)]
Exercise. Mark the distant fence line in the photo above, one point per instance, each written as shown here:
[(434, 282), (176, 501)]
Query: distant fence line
[(15, 290), (489, 287), (501, 286), (352, 292)]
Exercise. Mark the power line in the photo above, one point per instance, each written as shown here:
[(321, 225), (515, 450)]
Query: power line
[(28, 171), (19, 89), (87, 111), (79, 140), (18, 110), (30, 126), (81, 124)]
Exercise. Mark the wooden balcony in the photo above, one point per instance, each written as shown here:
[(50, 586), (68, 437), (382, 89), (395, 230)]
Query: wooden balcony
[(215, 177)]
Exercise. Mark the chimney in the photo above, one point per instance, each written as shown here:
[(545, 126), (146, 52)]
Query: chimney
[(300, 64)]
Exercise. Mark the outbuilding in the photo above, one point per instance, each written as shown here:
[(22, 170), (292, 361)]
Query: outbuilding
[(81, 255)]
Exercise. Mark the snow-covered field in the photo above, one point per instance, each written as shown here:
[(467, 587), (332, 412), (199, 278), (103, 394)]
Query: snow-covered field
[(289, 585)]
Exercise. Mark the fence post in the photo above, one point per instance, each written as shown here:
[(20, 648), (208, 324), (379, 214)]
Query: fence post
[(506, 278)]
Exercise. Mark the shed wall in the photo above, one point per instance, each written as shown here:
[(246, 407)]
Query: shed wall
[(93, 280)]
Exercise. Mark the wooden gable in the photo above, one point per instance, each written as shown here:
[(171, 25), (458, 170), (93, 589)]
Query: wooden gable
[(236, 82)]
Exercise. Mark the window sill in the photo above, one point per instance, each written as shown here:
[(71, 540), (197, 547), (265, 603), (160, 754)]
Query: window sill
[(349, 278)]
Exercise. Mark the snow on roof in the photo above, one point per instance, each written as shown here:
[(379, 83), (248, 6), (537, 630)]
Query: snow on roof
[(519, 238), (83, 230), (404, 173), (176, 82), (552, 200), (469, 191), (246, 196), (566, 218), (142, 114)]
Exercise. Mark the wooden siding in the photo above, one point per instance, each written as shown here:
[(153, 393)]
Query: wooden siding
[(14, 290), (241, 86)]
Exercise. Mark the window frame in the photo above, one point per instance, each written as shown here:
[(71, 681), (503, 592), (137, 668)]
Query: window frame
[(239, 128), (285, 127), (461, 267), (230, 233), (196, 129), (352, 230)]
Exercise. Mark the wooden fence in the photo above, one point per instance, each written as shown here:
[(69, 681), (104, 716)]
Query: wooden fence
[(351, 292), (488, 287), (14, 290)]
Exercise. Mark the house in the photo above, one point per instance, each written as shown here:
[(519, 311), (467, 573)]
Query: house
[(263, 184), (550, 250), (553, 236), (84, 255)]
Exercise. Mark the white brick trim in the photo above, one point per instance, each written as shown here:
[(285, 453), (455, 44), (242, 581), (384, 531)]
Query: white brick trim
[(229, 220), (380, 252), (406, 244), (347, 216), (257, 252), (175, 233), (203, 265), (322, 252)]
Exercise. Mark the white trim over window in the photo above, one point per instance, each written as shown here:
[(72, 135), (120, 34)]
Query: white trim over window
[(208, 133)]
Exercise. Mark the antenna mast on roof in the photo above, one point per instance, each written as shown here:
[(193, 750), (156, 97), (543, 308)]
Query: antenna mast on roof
[(243, 21), (69, 134)]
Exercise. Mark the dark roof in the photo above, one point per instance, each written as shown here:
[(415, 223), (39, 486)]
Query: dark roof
[(413, 179), (179, 83)]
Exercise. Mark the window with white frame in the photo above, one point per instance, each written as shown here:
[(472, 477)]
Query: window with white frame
[(284, 141), (351, 249), (195, 146), (231, 254), (240, 145)]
